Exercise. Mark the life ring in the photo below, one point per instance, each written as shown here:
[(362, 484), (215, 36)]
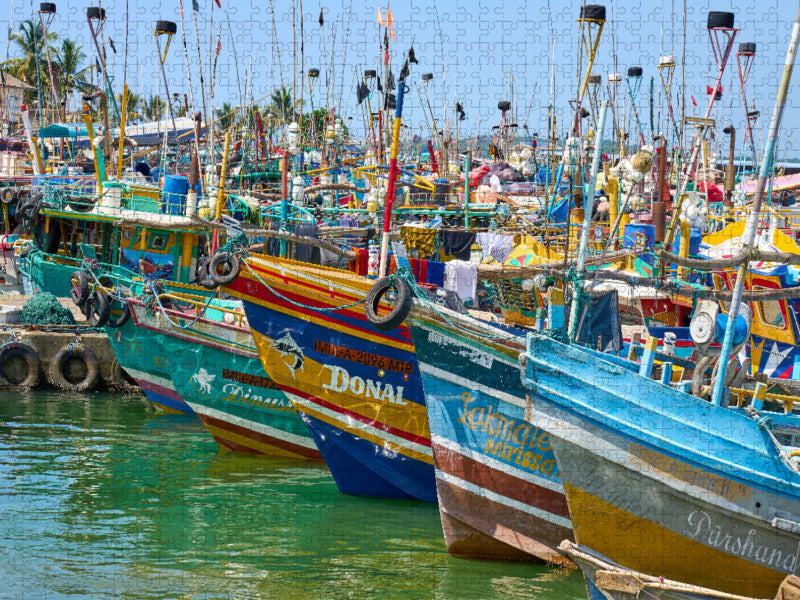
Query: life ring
[(125, 313), (97, 309), (74, 368), (8, 195), (229, 264), (400, 310), (79, 288), (14, 374)]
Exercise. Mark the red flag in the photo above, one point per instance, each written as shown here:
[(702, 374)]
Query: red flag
[(219, 46), (694, 102), (385, 57), (710, 90), (218, 4), (389, 21)]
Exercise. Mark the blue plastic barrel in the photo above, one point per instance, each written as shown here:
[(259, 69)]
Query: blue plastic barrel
[(632, 229), (175, 189), (695, 239)]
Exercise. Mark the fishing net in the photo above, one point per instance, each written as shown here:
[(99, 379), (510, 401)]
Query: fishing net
[(45, 309)]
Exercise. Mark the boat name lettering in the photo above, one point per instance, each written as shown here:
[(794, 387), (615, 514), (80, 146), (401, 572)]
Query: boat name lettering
[(655, 462), (249, 379), (509, 439), (702, 528), (235, 393), (476, 356), (365, 358), (342, 381)]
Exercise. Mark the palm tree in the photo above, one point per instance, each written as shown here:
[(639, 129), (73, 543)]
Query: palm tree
[(134, 105), (69, 74), (226, 115), (154, 108), (29, 40), (282, 105)]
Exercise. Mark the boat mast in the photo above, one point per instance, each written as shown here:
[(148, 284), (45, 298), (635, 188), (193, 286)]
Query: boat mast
[(751, 227)]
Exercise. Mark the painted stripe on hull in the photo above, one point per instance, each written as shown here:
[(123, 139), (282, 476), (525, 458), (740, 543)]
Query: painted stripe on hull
[(497, 498), (374, 435), (159, 391), (495, 464), (519, 494), (366, 469), (242, 440), (644, 546), (163, 401), (260, 436), (486, 514)]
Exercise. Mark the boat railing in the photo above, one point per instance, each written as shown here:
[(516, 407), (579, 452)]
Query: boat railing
[(200, 306)]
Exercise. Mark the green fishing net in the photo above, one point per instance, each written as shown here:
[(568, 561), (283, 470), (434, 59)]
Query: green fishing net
[(45, 309)]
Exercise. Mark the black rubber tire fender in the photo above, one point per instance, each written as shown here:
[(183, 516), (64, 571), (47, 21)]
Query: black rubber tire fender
[(23, 195), (635, 71), (97, 309), (79, 288), (57, 376), (125, 314), (203, 279), (27, 353), (400, 310), (8, 195), (30, 210), (47, 7), (230, 265)]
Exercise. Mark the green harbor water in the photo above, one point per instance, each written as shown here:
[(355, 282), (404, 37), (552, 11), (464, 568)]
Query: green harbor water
[(101, 496)]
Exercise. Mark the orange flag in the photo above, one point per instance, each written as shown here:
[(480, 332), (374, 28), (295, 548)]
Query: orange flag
[(389, 21), (380, 18)]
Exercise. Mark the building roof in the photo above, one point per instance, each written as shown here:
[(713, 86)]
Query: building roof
[(8, 80)]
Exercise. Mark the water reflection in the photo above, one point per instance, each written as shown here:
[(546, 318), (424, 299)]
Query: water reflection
[(101, 496)]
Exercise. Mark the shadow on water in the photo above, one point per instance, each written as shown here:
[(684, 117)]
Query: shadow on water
[(102, 496)]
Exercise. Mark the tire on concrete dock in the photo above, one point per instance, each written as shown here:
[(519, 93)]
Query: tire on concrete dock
[(74, 368), (119, 380), (19, 365)]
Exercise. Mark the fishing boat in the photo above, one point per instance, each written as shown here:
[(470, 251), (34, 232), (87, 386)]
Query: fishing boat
[(214, 367), (662, 482), (500, 495), (357, 388)]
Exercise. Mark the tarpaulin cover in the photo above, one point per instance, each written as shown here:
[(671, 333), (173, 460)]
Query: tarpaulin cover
[(602, 322)]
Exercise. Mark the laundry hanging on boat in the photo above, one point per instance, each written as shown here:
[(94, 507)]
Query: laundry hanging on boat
[(359, 263), (496, 245), (457, 243), (461, 277), (306, 252), (422, 239)]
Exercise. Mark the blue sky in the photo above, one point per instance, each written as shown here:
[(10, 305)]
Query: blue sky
[(479, 53)]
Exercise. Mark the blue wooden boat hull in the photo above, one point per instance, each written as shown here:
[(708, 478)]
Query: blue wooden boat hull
[(662, 482)]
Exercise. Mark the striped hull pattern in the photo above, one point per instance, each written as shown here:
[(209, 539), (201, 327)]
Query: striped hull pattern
[(139, 353), (214, 367), (358, 389), (500, 495), (646, 484)]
